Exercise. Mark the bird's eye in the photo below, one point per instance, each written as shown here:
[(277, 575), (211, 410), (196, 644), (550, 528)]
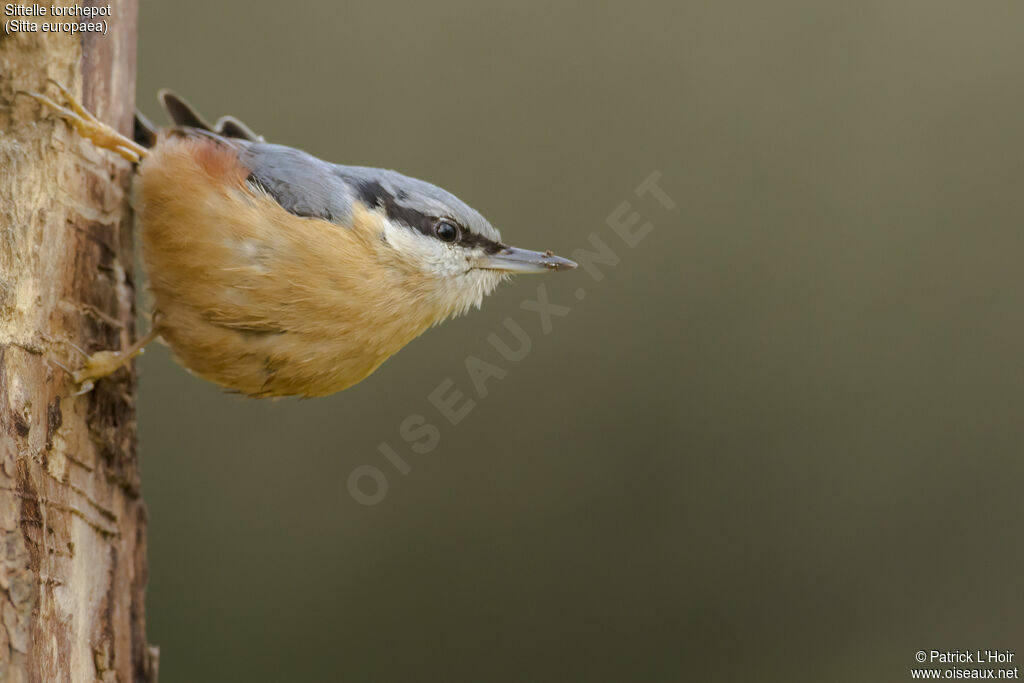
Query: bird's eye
[(446, 231)]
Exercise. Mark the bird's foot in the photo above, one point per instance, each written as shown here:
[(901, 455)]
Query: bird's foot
[(104, 363), (88, 126)]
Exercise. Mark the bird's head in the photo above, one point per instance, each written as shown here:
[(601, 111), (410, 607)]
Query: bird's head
[(457, 255)]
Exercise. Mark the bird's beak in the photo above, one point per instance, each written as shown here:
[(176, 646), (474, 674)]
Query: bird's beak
[(513, 260)]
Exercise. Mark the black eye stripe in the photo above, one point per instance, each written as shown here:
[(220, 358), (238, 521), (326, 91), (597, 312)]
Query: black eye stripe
[(472, 240), (374, 195)]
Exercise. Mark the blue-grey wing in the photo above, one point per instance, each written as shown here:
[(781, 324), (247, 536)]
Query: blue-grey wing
[(302, 184)]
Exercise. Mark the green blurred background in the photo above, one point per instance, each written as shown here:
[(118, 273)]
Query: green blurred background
[(779, 441)]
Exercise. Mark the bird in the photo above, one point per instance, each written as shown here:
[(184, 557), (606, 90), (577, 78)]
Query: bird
[(275, 273)]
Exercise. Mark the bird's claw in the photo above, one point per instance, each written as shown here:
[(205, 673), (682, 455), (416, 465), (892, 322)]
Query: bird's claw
[(87, 125)]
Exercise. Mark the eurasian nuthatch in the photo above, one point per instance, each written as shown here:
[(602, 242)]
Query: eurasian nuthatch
[(275, 273)]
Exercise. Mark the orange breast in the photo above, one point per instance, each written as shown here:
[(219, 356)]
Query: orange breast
[(256, 299)]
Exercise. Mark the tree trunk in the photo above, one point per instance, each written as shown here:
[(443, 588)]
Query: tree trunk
[(72, 522)]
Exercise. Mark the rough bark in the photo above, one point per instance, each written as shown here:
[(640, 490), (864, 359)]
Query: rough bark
[(72, 522)]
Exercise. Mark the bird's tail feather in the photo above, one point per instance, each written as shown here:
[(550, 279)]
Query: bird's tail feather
[(185, 116)]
